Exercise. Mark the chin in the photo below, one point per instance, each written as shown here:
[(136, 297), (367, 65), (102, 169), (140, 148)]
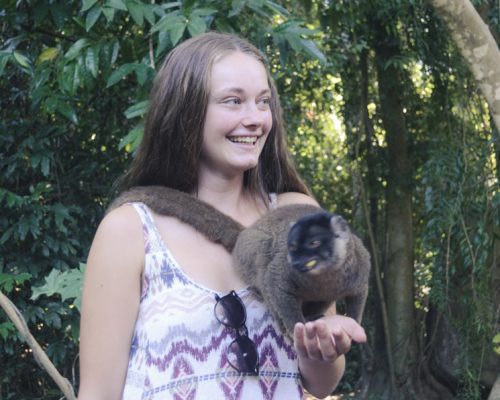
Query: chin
[(245, 166)]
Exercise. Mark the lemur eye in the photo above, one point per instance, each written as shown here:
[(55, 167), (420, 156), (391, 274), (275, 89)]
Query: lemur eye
[(313, 244)]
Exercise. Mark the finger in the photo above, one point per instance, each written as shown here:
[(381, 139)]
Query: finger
[(354, 330), (348, 325), (342, 341), (299, 333), (311, 342), (326, 341)]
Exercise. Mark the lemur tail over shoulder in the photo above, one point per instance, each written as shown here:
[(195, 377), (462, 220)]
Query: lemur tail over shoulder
[(299, 258), (214, 225)]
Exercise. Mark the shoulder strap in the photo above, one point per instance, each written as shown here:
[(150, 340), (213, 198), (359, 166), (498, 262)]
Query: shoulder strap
[(152, 238)]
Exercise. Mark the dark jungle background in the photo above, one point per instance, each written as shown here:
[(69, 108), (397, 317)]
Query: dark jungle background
[(385, 122)]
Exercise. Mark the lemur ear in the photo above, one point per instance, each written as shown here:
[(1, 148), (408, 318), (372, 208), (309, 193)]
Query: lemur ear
[(338, 223)]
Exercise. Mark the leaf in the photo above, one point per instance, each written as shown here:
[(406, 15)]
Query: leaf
[(203, 12), (71, 284), (46, 166), (257, 7), (61, 214), (92, 60), (4, 58), (141, 71), (6, 328), (277, 8), (109, 13), (7, 281), (132, 139), (149, 14), (311, 49), (66, 78), (237, 7), (196, 26), (7, 235), (48, 55), (120, 73), (67, 284), (176, 31), (22, 229), (21, 59), (115, 51), (75, 79), (87, 4), (496, 343), (137, 109), (166, 21), (76, 48), (67, 111), (117, 4), (92, 17), (136, 11), (50, 287)]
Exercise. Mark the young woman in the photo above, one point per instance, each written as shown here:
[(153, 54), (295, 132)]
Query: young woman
[(164, 315)]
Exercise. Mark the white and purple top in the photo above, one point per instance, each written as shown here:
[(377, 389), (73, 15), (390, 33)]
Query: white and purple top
[(178, 349)]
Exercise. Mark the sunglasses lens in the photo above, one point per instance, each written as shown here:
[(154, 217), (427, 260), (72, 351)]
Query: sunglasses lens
[(242, 355), (230, 311)]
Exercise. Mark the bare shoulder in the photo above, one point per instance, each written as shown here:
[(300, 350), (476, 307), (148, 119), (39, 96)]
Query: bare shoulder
[(123, 223), (295, 198), (120, 232), (121, 218)]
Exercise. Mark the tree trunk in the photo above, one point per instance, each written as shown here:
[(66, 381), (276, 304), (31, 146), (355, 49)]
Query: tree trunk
[(477, 46), (399, 265)]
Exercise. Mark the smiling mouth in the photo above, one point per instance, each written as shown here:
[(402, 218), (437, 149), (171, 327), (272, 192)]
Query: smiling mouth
[(243, 139)]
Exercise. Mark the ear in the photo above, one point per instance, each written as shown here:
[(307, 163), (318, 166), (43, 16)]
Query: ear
[(338, 224)]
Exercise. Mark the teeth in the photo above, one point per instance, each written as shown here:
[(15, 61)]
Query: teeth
[(243, 139)]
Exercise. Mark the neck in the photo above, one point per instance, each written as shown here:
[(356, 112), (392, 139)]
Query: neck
[(230, 197)]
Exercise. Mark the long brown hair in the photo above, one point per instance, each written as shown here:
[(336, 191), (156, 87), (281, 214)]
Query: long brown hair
[(170, 149)]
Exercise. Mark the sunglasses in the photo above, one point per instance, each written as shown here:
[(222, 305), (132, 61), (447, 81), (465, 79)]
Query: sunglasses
[(242, 352)]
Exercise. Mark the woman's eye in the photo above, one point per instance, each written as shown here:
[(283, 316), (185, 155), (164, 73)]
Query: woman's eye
[(264, 103), (232, 100)]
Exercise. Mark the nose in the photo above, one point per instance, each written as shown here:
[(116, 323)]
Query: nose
[(255, 117)]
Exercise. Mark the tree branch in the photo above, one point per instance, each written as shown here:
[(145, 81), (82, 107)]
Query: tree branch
[(16, 317), (477, 45)]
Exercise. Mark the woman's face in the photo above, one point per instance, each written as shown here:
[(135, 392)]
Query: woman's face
[(238, 118)]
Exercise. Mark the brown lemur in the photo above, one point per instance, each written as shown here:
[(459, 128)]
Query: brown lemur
[(299, 258)]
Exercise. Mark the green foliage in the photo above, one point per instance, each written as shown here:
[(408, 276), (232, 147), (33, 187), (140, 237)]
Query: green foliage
[(496, 343), (74, 81), (67, 284)]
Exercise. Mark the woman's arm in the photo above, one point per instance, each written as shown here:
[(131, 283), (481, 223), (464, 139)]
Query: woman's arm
[(110, 302), (320, 347)]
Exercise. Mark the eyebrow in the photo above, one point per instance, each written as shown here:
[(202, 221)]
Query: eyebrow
[(235, 89)]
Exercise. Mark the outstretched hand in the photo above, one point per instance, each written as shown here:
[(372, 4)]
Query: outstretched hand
[(327, 338), (320, 345)]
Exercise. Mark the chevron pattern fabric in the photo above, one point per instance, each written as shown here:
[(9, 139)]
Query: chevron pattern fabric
[(178, 349)]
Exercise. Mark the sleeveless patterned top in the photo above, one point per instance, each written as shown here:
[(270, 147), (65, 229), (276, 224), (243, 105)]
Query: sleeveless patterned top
[(178, 349)]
